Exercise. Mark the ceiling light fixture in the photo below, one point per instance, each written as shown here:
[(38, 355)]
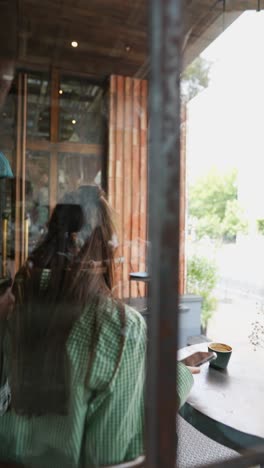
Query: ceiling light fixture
[(73, 121), (74, 44), (60, 91)]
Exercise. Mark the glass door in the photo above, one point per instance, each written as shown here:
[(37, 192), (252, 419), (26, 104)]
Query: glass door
[(58, 147)]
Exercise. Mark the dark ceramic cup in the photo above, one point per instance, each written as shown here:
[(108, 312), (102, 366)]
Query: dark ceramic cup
[(223, 353)]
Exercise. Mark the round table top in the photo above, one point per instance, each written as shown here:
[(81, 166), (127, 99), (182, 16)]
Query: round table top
[(229, 402)]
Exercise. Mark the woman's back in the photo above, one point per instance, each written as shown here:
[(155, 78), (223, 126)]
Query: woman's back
[(74, 355), (104, 423)]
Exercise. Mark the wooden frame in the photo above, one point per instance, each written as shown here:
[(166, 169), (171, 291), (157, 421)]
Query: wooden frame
[(63, 147), (54, 135), (53, 146), (18, 171), (127, 177), (23, 167)]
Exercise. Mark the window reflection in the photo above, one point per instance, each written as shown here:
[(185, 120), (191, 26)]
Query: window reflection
[(8, 116), (38, 106), (76, 170), (81, 110), (37, 195), (5, 213)]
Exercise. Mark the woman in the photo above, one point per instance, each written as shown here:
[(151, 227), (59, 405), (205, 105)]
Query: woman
[(75, 357), (6, 303)]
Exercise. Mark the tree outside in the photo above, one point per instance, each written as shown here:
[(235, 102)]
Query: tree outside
[(215, 215), (214, 207), (195, 78), (201, 280)]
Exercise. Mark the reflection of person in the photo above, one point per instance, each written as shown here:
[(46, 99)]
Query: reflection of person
[(75, 355), (60, 243), (6, 78), (43, 197), (6, 303), (43, 201)]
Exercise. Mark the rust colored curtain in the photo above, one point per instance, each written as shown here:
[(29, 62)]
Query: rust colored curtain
[(127, 177)]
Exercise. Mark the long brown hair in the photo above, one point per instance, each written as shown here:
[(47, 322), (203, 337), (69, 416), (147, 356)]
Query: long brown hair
[(45, 314)]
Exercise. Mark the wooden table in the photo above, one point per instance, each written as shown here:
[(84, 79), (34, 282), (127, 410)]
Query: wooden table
[(228, 406)]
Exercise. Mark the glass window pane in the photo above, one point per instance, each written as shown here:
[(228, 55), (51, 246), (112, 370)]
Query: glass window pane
[(38, 106), (75, 170), (223, 143), (8, 117), (81, 111), (37, 194), (6, 203)]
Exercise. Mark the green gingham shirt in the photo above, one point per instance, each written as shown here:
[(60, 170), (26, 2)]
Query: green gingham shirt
[(104, 424)]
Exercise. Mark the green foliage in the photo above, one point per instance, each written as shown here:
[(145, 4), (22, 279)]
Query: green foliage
[(233, 221), (201, 280), (208, 226), (210, 194), (260, 225), (213, 203), (195, 78)]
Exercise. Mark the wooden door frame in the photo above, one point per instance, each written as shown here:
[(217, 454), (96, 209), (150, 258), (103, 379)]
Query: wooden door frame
[(20, 169), (53, 146)]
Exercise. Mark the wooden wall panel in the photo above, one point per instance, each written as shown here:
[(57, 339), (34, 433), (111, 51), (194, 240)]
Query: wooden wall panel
[(183, 224), (127, 202), (127, 176), (112, 141), (143, 224), (135, 186), (127, 180)]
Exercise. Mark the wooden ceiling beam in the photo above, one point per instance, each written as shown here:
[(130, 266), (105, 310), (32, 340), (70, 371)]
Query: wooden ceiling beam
[(97, 68), (8, 29), (103, 29), (45, 45), (104, 12), (243, 5)]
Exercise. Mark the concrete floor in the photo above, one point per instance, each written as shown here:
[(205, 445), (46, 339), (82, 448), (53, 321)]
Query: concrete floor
[(233, 321)]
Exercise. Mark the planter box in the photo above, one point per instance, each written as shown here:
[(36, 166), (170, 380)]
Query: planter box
[(189, 320)]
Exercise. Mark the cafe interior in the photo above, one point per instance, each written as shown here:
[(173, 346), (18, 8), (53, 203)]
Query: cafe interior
[(74, 112), (75, 85)]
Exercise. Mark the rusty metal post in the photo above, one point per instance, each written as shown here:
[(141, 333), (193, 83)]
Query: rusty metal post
[(166, 29)]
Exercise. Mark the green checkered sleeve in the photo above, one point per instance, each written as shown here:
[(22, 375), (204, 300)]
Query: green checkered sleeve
[(105, 421), (184, 383), (114, 422)]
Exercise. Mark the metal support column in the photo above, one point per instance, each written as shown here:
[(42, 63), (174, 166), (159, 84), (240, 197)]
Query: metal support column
[(166, 30)]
